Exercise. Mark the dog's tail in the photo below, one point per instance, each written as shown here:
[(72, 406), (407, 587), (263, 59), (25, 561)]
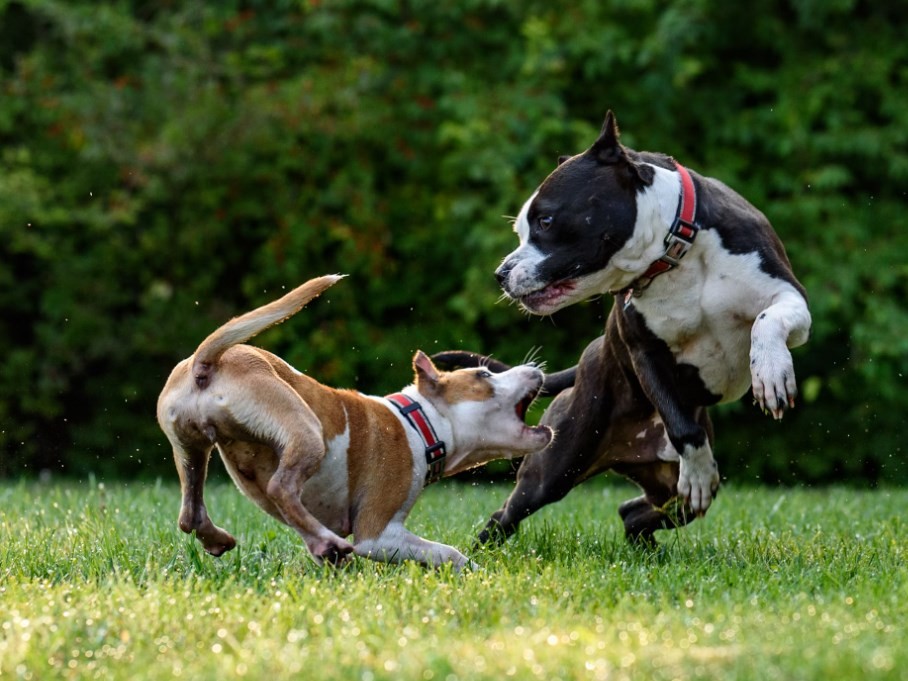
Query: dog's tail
[(241, 329)]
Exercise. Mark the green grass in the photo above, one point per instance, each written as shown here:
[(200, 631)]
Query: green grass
[(97, 582)]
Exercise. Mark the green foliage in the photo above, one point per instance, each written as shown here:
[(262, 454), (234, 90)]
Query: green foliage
[(164, 166), (98, 582)]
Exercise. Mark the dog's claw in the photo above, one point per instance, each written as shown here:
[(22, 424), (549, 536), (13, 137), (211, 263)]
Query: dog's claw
[(773, 381)]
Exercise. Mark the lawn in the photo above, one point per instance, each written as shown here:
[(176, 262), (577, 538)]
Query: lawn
[(96, 581)]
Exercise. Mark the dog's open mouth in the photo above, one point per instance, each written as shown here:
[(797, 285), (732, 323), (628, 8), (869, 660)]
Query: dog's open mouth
[(523, 407), (548, 296)]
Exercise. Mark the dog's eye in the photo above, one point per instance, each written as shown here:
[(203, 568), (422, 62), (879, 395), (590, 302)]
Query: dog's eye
[(484, 374), (545, 222)]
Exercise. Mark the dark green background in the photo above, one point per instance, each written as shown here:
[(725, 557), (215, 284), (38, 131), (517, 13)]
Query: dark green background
[(166, 165)]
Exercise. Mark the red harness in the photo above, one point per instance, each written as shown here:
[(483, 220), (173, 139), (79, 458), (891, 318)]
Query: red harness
[(678, 241), (435, 448)]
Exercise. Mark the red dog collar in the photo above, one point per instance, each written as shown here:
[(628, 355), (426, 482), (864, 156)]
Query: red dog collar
[(679, 239), (435, 448)]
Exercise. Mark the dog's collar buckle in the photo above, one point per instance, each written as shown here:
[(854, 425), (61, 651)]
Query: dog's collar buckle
[(435, 448), (678, 241)]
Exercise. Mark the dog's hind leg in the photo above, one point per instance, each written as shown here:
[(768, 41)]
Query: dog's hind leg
[(659, 508), (192, 466), (295, 433)]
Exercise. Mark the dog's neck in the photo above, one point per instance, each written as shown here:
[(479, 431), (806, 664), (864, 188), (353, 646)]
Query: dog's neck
[(461, 440), (442, 428), (656, 209), (680, 238), (413, 408)]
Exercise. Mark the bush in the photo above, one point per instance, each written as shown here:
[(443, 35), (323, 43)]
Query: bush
[(166, 166)]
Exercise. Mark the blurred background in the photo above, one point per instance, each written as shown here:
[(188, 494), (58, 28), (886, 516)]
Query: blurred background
[(167, 165)]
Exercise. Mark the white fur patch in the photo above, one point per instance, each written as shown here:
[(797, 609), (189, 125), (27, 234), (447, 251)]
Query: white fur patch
[(523, 277), (521, 224), (656, 208), (704, 310), (326, 494), (784, 324), (397, 544)]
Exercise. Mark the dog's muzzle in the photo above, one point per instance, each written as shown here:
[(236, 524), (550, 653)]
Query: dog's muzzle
[(502, 274)]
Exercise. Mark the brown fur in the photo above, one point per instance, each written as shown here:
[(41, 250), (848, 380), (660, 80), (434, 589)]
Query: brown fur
[(326, 462), (462, 387)]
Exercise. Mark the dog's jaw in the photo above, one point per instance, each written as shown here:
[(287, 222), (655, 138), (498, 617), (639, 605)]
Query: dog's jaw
[(534, 434), (549, 298), (530, 275)]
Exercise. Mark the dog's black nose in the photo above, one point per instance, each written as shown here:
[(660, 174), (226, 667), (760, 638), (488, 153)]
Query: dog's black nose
[(502, 273)]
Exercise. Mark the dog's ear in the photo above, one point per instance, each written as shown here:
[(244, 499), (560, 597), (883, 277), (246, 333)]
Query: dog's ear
[(426, 373), (608, 150), (643, 172)]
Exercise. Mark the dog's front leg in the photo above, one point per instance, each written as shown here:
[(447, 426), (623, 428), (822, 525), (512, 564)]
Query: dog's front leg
[(396, 544), (698, 478), (784, 324)]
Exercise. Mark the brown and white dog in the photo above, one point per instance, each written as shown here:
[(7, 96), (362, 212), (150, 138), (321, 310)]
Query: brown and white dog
[(330, 463)]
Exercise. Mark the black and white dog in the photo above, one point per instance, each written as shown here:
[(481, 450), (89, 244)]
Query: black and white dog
[(682, 335)]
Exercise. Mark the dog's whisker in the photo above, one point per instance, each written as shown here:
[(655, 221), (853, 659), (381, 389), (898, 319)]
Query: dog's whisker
[(532, 356)]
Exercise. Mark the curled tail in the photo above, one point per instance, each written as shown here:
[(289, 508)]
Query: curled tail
[(241, 329)]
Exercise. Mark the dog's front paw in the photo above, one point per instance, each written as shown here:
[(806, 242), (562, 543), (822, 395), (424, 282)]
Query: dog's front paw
[(698, 479), (773, 378)]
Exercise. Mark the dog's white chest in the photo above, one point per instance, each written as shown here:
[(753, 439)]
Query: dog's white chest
[(704, 311)]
